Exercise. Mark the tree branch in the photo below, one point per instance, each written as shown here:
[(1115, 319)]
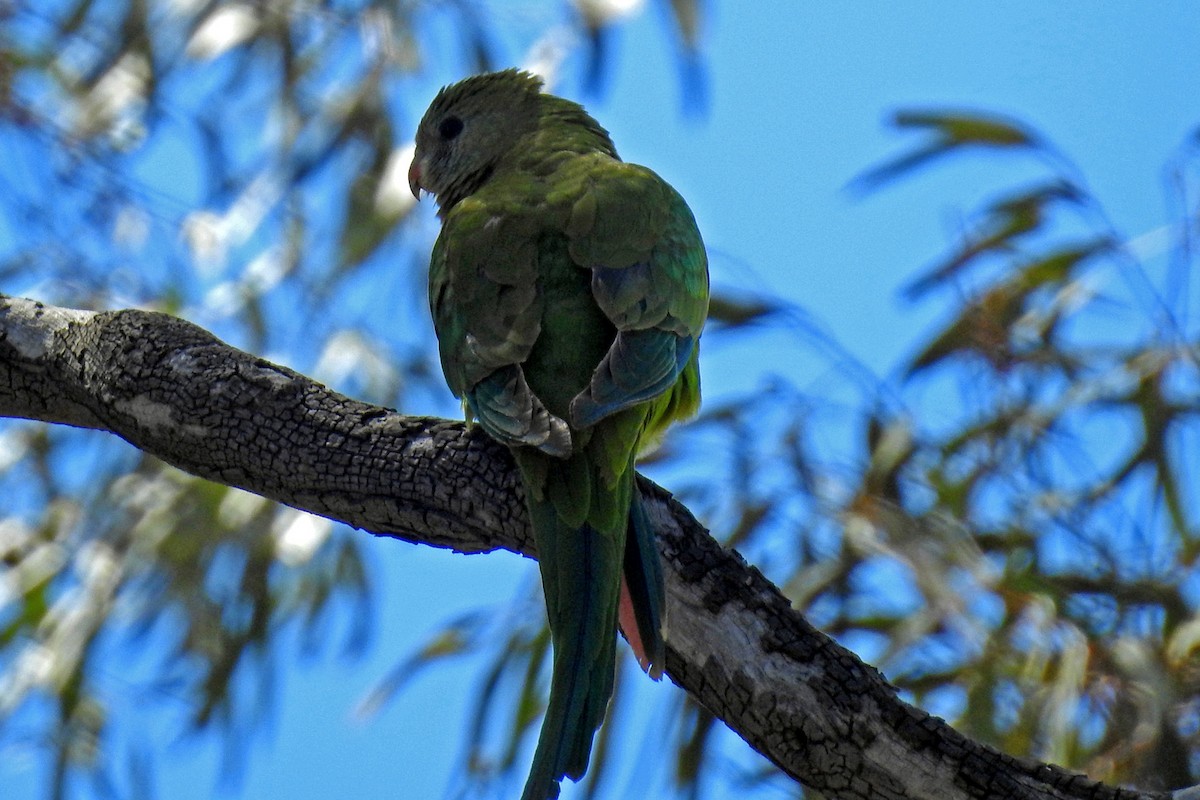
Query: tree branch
[(812, 707)]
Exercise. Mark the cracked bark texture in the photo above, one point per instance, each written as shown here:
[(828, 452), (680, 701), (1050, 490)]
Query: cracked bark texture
[(812, 707)]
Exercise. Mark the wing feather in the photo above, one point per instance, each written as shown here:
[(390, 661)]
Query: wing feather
[(649, 277)]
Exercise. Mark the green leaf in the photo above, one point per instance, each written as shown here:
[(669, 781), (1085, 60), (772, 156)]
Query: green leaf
[(736, 312), (948, 132), (1005, 225)]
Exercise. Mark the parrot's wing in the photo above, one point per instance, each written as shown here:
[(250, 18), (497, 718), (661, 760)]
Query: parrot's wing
[(649, 277), (487, 312)]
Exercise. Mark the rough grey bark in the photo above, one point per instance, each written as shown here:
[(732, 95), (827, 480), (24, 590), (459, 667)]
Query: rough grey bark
[(812, 707)]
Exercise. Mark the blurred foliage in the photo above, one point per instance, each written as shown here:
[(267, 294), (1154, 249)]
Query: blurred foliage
[(1016, 545), (1011, 538)]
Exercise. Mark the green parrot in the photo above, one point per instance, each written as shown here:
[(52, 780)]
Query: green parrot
[(568, 292)]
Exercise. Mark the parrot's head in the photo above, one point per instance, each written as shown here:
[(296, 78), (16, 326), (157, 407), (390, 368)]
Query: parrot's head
[(468, 130)]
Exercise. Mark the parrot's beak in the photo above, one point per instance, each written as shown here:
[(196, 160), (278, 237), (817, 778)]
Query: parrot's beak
[(414, 178)]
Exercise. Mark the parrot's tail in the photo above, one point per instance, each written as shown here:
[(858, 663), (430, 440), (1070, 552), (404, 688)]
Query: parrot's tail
[(590, 567), (643, 598), (580, 576)]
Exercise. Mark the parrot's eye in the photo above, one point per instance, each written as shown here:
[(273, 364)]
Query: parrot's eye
[(450, 127)]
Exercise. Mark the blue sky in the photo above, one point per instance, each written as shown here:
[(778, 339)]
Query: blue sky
[(799, 95)]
